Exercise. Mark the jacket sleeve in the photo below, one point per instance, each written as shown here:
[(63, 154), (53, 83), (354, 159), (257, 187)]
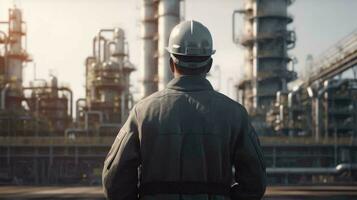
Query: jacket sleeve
[(120, 171), (249, 166)]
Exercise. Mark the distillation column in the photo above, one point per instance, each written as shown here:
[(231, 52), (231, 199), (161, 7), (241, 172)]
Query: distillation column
[(15, 51), (107, 76), (16, 56), (247, 93), (169, 17), (158, 19), (149, 46), (267, 41)]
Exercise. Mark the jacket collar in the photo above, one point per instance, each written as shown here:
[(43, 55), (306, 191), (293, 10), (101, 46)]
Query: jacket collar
[(189, 83)]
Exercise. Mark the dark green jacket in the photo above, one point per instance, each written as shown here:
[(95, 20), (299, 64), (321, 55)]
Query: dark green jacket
[(185, 134)]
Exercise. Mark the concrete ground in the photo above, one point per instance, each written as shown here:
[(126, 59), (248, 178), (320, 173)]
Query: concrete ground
[(50, 192), (95, 193)]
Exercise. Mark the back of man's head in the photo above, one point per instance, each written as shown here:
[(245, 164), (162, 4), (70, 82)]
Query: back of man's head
[(182, 70), (190, 48)]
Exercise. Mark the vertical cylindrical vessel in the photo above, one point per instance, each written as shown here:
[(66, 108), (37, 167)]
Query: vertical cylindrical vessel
[(118, 52), (267, 41), (107, 80), (248, 32), (247, 93), (149, 46), (16, 52), (169, 16)]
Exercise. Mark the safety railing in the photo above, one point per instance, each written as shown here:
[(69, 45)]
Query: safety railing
[(56, 141), (335, 53), (285, 140), (108, 140)]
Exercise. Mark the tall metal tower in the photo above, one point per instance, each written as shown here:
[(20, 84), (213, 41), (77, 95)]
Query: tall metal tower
[(158, 18), (15, 55), (266, 41)]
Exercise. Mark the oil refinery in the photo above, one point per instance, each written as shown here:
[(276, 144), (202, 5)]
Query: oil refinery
[(40, 133), (307, 125)]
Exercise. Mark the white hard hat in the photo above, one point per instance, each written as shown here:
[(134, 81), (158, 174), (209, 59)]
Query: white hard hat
[(190, 38)]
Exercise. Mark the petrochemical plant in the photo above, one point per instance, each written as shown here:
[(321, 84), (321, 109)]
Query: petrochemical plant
[(307, 126), (39, 134)]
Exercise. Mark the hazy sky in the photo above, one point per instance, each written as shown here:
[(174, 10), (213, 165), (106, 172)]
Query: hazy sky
[(60, 32)]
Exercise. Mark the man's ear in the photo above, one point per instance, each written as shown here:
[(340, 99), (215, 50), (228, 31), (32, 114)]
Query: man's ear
[(172, 67)]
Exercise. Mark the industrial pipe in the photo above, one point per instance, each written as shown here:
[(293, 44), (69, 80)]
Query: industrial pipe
[(3, 96), (86, 123), (96, 42), (108, 49), (291, 95), (127, 48), (311, 94), (88, 60), (71, 99), (109, 125), (6, 50), (105, 52), (37, 114), (234, 38), (131, 101), (80, 130), (59, 89), (318, 99), (122, 106), (169, 11), (290, 100), (313, 170), (72, 130), (105, 30), (148, 60), (77, 107), (107, 55), (317, 107), (86, 113), (281, 114), (94, 49)]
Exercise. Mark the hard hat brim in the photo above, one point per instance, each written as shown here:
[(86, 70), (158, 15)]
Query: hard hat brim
[(169, 50), (190, 65)]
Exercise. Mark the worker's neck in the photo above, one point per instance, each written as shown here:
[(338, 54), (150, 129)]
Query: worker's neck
[(178, 75)]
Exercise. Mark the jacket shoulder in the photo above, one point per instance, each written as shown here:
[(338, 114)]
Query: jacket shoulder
[(225, 100), (151, 99)]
